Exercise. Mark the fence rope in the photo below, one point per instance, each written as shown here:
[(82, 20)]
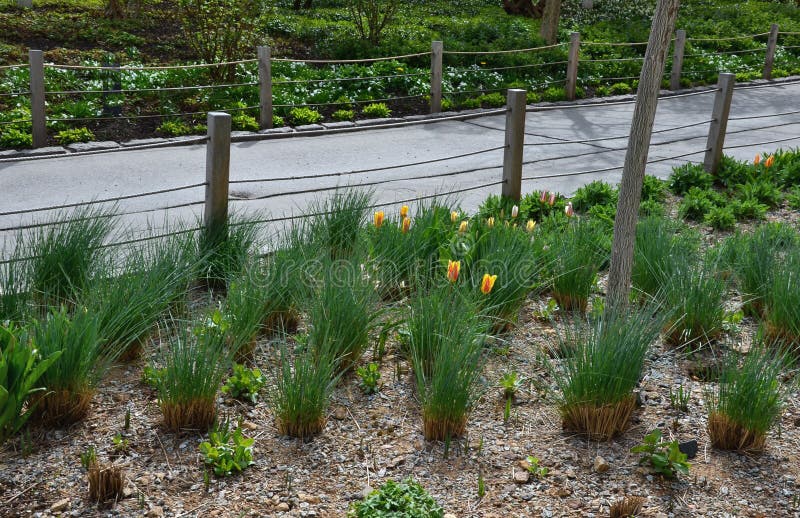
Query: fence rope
[(776, 141), (614, 44), (143, 68), (345, 79), (153, 116), (493, 52), (368, 101), (346, 61), (731, 38), (612, 60), (515, 67), (164, 89)]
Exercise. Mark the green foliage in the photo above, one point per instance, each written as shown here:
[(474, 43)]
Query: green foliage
[(698, 202), (493, 100), (174, 128), (653, 189), (685, 177), (782, 299), (226, 451), (244, 383), (664, 458), (15, 138), (406, 499), (510, 382), (21, 366), (226, 255), (535, 467), (597, 192), (554, 93), (748, 209), (619, 89), (368, 378), (152, 377), (793, 198), (372, 17), (302, 115), (761, 190), (660, 246), (343, 115), (679, 400), (71, 136), (337, 222), (733, 172), (244, 122), (277, 121), (376, 110), (720, 218)]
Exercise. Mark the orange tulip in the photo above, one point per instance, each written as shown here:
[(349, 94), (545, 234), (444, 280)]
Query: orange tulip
[(568, 210), (406, 225), (379, 218), (453, 269), (530, 225), (490, 222), (404, 211), (769, 161), (757, 159), (454, 216), (487, 283), (463, 227)]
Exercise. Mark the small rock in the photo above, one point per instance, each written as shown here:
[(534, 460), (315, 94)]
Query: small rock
[(310, 499), (521, 477), (366, 491), (563, 492), (247, 425), (689, 448), (340, 413), (396, 461), (600, 464), (60, 506), (283, 506), (155, 512), (524, 464), (449, 515)]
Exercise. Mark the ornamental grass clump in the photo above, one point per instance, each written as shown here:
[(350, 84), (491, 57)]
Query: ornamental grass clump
[(597, 380), (696, 294), (243, 308), (195, 362), (444, 339), (782, 313), (749, 399), (83, 360), (226, 253), (660, 247), (65, 255), (393, 257), (284, 279), (300, 389), (575, 257), (14, 295), (337, 222)]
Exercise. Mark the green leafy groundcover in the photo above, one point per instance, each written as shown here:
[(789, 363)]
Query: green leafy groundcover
[(406, 499)]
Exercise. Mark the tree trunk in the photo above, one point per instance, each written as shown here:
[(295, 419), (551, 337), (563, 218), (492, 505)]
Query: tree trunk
[(630, 190), (552, 12), (524, 7)]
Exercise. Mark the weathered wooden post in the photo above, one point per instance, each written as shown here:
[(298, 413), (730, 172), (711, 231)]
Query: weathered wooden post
[(218, 160), (677, 60), (572, 64), (515, 141), (719, 122), (38, 115), (437, 50), (265, 86), (772, 43)]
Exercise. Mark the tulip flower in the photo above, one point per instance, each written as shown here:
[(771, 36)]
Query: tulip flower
[(379, 218), (514, 211), (463, 226), (404, 211), (453, 269), (406, 224), (487, 283), (568, 210), (530, 225), (769, 161), (490, 222), (543, 197), (757, 159), (454, 216), (552, 198)]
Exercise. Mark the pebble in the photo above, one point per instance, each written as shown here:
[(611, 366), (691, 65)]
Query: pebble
[(283, 506), (600, 464), (60, 506), (521, 477)]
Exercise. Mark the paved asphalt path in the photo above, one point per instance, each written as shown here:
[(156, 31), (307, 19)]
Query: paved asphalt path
[(66, 179)]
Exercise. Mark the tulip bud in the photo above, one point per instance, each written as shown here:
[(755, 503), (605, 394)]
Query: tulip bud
[(530, 225), (490, 222), (453, 269), (406, 225), (487, 283), (514, 211), (568, 210), (463, 227), (552, 198), (404, 211), (543, 197), (453, 216), (769, 161), (757, 159), (378, 218)]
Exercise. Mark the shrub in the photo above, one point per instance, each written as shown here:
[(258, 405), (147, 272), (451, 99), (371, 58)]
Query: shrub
[(174, 128), (444, 341), (83, 359), (372, 17), (300, 391), (664, 458), (227, 451), (343, 115), (15, 139), (20, 370), (597, 192), (720, 218), (195, 363), (732, 172), (300, 116), (684, 177), (244, 122), (244, 383), (619, 89), (493, 100), (554, 93), (651, 208), (698, 202), (65, 254), (596, 382), (749, 400), (748, 209), (71, 136), (376, 110), (470, 103), (532, 97), (397, 499), (657, 250), (277, 121), (696, 296)]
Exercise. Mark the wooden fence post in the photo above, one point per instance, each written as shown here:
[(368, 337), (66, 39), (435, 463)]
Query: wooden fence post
[(719, 122), (437, 49), (265, 86), (772, 42), (677, 60), (218, 160), (38, 115), (572, 64), (515, 141)]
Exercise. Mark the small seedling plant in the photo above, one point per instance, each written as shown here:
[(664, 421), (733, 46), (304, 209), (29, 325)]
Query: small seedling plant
[(679, 399), (244, 384), (226, 451), (664, 458), (535, 467), (369, 376), (406, 498)]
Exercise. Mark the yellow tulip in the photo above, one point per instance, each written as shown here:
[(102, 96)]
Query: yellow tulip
[(463, 227), (530, 225), (454, 216), (453, 269), (404, 211), (490, 222), (406, 225), (379, 218), (487, 283)]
